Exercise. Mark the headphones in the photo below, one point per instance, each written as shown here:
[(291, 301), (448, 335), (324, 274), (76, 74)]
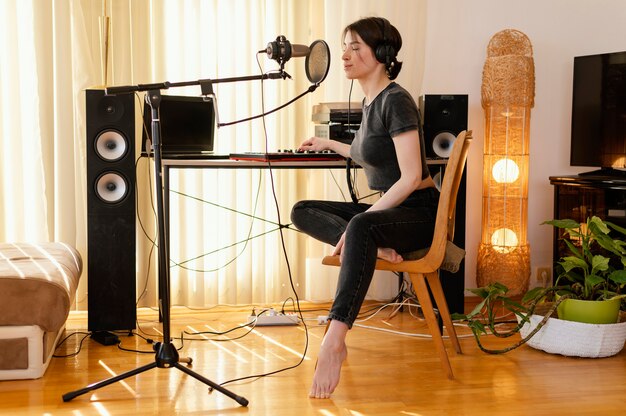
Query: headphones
[(385, 52)]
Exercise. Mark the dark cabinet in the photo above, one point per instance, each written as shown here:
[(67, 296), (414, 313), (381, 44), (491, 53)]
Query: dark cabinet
[(581, 196)]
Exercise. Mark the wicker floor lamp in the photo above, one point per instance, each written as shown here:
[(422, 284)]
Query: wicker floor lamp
[(507, 96)]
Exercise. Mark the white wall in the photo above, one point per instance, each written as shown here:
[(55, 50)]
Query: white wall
[(457, 35)]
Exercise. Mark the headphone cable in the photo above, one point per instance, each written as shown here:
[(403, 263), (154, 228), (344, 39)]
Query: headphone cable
[(353, 195)]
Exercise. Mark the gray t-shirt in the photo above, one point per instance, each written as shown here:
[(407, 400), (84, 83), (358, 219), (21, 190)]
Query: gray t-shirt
[(392, 112)]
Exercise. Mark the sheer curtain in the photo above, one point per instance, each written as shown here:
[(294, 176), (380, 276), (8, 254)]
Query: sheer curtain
[(53, 51)]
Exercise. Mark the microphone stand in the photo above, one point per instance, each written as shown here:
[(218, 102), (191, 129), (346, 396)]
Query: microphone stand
[(166, 354)]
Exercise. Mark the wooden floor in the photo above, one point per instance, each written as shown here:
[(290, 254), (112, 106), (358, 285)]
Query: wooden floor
[(386, 374)]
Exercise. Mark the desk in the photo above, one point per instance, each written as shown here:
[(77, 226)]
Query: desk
[(246, 164), (225, 163), (453, 283)]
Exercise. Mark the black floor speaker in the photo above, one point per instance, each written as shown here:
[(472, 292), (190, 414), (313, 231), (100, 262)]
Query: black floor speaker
[(444, 117), (111, 270)]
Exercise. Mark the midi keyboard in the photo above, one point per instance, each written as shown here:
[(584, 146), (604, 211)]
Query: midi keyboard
[(287, 156)]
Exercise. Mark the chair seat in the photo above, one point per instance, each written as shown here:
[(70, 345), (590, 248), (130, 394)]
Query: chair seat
[(404, 266), (452, 260)]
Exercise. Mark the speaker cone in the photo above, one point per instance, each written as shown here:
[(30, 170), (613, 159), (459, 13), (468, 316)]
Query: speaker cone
[(437, 179), (111, 187), (111, 145), (442, 144), (110, 109)]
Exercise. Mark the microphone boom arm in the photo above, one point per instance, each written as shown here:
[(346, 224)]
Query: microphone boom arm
[(207, 90), (124, 89)]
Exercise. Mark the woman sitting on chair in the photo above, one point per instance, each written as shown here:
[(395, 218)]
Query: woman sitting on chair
[(390, 149)]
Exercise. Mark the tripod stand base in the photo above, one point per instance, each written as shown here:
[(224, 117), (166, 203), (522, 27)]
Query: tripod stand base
[(166, 357)]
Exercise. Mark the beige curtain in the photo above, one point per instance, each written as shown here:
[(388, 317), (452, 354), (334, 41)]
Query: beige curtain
[(54, 50)]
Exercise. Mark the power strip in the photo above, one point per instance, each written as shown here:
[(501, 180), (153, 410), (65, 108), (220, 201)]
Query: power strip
[(273, 318)]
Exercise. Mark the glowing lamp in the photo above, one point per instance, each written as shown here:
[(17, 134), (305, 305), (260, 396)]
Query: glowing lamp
[(505, 171), (507, 94), (504, 240)]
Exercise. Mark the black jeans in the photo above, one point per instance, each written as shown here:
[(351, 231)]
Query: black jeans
[(405, 228)]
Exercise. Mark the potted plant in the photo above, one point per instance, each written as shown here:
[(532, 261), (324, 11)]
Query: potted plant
[(593, 273)]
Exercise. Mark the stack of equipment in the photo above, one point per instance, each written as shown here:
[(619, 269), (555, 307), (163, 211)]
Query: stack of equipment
[(337, 121)]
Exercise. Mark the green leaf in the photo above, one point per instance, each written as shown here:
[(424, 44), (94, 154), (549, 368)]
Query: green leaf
[(572, 248), (571, 262), (477, 327), (566, 223), (594, 280), (596, 221), (618, 276), (571, 276), (608, 243), (512, 305), (599, 263), (481, 292), (497, 288), (617, 228), (534, 294), (477, 309), (458, 316)]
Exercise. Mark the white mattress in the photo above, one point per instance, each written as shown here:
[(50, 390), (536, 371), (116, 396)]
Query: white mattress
[(37, 363)]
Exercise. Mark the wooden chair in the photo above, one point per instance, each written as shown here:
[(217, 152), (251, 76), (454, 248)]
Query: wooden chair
[(424, 271)]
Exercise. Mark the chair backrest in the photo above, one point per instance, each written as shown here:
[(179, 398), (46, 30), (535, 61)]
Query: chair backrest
[(444, 223)]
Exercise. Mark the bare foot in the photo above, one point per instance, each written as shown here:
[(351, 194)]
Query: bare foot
[(328, 370), (389, 255)]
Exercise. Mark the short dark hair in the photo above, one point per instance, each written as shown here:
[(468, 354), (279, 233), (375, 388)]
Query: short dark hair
[(377, 32)]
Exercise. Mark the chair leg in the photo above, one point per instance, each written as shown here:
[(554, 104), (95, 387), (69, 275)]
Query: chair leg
[(435, 286), (421, 289)]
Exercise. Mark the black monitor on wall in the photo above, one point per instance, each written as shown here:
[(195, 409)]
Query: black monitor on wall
[(599, 113)]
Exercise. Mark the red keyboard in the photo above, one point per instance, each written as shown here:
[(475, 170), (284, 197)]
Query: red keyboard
[(287, 156)]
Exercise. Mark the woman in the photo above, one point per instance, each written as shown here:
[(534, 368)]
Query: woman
[(390, 149)]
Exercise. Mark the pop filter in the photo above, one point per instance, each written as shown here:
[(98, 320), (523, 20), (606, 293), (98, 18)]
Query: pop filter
[(317, 62)]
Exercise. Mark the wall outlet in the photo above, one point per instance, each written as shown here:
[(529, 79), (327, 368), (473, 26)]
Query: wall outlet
[(543, 276)]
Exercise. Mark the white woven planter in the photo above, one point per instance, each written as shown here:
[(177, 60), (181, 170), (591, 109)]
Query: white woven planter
[(576, 339)]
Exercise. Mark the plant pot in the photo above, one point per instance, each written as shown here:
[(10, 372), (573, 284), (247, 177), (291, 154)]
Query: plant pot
[(589, 311), (576, 339)]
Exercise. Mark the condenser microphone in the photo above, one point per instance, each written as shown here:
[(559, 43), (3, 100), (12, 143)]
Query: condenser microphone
[(317, 56), (282, 50)]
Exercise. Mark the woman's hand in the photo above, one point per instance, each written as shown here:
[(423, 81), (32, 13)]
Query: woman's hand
[(339, 247), (315, 144)]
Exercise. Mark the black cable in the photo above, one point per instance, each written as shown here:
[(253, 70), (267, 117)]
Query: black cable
[(282, 308), (310, 89), (220, 333), (284, 249), (180, 265), (149, 341), (80, 344), (349, 179), (245, 241), (153, 244)]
